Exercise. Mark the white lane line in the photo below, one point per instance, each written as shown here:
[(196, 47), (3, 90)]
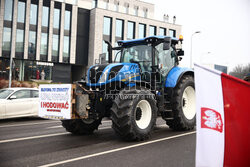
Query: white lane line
[(43, 136), (37, 123), (45, 122), (33, 137), (115, 150), (54, 127), (60, 126), (40, 136)]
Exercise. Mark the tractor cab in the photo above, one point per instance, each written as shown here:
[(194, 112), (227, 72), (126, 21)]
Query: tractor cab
[(156, 54)]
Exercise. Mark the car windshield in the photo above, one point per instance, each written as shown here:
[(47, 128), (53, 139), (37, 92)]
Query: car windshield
[(5, 93)]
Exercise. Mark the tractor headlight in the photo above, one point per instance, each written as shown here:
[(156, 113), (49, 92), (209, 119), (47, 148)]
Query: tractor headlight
[(104, 76)]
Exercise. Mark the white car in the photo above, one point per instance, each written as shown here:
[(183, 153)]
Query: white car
[(18, 102)]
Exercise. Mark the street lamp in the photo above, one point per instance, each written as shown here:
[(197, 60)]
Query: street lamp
[(191, 61)]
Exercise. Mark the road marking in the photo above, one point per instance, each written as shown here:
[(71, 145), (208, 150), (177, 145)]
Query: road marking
[(118, 149), (54, 127), (45, 122), (60, 126), (33, 137), (40, 136), (43, 136)]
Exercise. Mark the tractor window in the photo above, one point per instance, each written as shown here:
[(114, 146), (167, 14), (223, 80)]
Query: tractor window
[(166, 59), (141, 54)]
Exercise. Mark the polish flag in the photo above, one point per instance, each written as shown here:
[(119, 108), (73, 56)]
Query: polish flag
[(223, 119)]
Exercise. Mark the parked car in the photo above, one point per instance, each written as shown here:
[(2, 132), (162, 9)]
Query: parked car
[(18, 102)]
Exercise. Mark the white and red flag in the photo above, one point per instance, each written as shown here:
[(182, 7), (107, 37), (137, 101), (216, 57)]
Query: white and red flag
[(223, 119)]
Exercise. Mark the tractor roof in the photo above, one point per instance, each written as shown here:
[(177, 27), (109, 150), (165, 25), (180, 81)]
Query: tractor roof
[(144, 40)]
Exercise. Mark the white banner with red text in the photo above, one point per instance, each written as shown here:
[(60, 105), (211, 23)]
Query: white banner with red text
[(55, 101)]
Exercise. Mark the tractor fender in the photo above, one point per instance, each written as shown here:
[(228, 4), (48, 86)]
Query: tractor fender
[(175, 75)]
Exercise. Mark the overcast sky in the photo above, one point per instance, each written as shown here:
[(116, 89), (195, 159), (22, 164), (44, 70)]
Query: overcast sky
[(224, 26)]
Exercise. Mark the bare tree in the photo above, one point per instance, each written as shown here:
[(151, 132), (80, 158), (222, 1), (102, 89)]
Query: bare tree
[(240, 71)]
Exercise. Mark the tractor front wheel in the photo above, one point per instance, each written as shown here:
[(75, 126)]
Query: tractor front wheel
[(134, 114), (183, 105)]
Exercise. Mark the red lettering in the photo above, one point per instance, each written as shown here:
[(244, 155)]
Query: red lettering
[(55, 105), (66, 105)]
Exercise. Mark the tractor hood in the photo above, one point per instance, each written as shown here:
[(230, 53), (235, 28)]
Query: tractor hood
[(99, 75)]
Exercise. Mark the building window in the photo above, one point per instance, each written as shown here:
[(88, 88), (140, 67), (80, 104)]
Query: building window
[(45, 16), (44, 46), (119, 29), (107, 26), (8, 8), (32, 45), (45, 31), (55, 48), (56, 21), (94, 4), (33, 14), (131, 30), (152, 30), (66, 40), (136, 10), (142, 30), (172, 33), (145, 13), (67, 20), (19, 41), (6, 39), (162, 31), (66, 49), (21, 12), (20, 29)]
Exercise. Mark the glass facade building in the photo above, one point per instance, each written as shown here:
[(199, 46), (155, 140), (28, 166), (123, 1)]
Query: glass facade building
[(26, 37)]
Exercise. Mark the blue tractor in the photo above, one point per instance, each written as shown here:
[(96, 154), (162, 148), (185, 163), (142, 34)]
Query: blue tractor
[(143, 83)]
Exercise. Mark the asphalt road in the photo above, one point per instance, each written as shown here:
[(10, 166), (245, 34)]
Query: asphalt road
[(37, 142)]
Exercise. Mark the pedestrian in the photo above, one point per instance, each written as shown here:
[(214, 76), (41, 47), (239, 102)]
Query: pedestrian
[(37, 74), (42, 75), (17, 74)]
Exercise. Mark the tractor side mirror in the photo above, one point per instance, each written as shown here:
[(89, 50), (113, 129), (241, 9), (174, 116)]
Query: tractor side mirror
[(180, 53), (167, 43)]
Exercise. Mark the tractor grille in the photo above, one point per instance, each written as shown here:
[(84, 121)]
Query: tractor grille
[(95, 73)]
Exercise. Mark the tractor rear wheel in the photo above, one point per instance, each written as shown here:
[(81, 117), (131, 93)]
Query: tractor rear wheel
[(134, 114), (183, 105), (81, 126)]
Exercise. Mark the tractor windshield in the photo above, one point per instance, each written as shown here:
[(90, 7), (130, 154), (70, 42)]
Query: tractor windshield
[(136, 53), (141, 54)]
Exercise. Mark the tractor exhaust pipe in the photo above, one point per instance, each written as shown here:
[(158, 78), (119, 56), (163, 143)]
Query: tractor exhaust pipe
[(109, 51)]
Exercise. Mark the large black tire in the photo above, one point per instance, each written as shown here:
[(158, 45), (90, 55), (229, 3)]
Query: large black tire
[(183, 119), (78, 126), (133, 114)]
